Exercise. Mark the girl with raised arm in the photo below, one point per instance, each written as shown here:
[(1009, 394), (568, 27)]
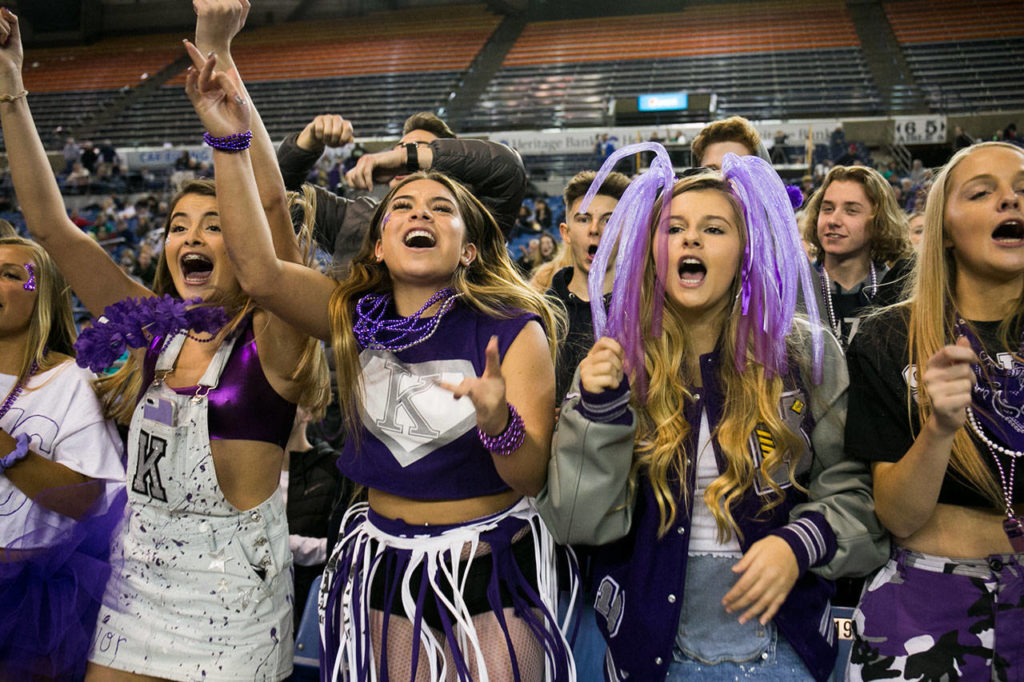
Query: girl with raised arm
[(700, 448), (60, 466), (203, 582), (445, 375), (936, 398)]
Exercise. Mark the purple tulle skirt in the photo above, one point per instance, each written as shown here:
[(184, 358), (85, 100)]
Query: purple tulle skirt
[(52, 579)]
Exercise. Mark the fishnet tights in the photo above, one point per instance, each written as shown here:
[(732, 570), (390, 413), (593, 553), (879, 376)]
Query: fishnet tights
[(528, 651)]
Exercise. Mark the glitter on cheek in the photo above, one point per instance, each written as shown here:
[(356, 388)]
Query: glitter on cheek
[(30, 285)]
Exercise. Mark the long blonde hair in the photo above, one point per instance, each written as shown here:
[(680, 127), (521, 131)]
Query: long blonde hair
[(932, 311), (51, 327), (751, 400), (119, 391), (490, 283)]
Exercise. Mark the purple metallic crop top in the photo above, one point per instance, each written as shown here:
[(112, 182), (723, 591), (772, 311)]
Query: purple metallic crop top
[(243, 406)]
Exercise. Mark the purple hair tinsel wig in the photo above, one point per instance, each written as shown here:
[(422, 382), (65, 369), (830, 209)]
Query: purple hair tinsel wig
[(774, 267), (628, 227)]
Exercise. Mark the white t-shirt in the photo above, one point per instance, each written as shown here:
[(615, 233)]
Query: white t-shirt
[(61, 415), (703, 528)]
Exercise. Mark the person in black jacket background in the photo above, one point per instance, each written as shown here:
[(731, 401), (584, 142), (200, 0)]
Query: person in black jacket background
[(312, 487), (493, 172)]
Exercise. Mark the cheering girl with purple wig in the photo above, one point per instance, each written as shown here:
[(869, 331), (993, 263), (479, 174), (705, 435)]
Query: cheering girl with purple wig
[(702, 449)]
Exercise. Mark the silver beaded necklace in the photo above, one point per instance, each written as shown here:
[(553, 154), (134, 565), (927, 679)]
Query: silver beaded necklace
[(826, 290), (1013, 525)]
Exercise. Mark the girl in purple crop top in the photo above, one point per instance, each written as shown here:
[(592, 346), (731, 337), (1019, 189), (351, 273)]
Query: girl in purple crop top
[(445, 375), (936, 398), (205, 527)]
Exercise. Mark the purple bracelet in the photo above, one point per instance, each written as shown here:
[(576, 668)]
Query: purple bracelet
[(509, 440), (19, 453), (230, 143)]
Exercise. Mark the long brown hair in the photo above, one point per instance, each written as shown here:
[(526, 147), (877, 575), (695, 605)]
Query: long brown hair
[(118, 391), (490, 283), (888, 227)]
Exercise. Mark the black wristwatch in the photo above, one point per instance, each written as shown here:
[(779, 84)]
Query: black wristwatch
[(412, 157)]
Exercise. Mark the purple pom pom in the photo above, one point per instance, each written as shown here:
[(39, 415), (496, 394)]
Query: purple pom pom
[(773, 270), (131, 323), (796, 197)]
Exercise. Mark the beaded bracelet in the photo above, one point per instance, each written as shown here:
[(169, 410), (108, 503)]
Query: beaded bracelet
[(509, 440), (19, 453), (229, 143)]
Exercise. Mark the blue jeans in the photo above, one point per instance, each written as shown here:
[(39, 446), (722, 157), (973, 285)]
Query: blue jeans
[(711, 643), (778, 662)]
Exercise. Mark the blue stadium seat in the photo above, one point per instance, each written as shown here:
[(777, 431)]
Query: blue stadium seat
[(307, 639)]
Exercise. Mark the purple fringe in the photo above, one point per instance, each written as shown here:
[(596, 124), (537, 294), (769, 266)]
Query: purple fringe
[(504, 570), (50, 595), (774, 267), (628, 227)]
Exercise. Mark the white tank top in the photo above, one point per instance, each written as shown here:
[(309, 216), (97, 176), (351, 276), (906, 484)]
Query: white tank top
[(703, 531)]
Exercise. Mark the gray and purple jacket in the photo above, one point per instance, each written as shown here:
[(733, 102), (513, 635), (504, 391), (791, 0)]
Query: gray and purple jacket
[(639, 577)]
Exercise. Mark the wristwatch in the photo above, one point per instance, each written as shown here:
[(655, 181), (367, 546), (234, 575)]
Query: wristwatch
[(412, 157)]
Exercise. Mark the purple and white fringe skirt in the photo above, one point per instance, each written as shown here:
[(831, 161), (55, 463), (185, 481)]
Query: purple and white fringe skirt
[(439, 559)]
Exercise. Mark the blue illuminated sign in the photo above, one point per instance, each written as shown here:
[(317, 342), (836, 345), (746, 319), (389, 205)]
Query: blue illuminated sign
[(664, 101)]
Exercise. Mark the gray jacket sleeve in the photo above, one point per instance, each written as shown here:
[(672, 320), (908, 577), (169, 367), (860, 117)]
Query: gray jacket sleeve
[(586, 499), (840, 487), (493, 172)]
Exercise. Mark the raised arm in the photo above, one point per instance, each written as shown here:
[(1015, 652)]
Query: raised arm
[(586, 499), (96, 279), (217, 23), (492, 171), (907, 491), (294, 294)]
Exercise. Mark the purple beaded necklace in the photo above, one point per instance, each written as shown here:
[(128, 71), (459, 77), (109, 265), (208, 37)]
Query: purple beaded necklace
[(375, 331), (12, 397)]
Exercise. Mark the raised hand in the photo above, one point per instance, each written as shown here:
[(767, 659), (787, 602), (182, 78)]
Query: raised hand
[(487, 393), (11, 53), (948, 379), (218, 22), (769, 571), (216, 97), (326, 130), (602, 370), (380, 167)]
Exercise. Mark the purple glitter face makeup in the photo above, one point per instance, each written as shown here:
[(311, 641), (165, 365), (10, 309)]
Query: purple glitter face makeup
[(30, 285)]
